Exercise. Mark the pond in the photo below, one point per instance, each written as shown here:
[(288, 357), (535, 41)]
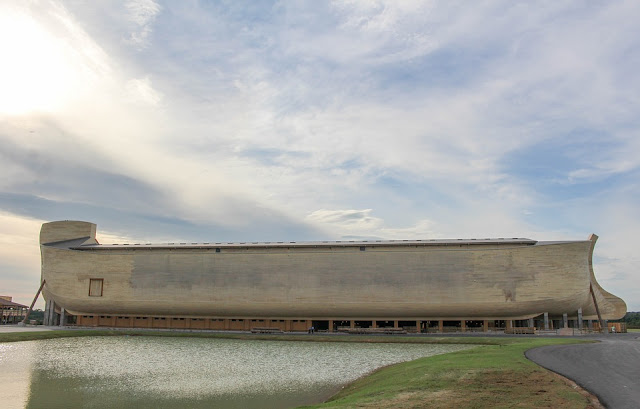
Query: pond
[(159, 372)]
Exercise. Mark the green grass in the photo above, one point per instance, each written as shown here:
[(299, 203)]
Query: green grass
[(633, 329), (491, 376), (37, 335), (496, 374)]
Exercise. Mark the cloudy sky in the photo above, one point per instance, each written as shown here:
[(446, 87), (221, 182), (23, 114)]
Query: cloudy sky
[(260, 120)]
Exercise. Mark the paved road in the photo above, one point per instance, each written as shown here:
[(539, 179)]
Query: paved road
[(609, 369)]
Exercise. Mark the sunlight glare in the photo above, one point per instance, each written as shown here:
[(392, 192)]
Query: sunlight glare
[(35, 73)]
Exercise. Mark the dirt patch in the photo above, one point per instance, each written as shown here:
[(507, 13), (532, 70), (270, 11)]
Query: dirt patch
[(497, 389), (494, 389), (416, 400), (516, 389)]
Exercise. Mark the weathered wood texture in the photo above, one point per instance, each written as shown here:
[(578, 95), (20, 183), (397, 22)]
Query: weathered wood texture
[(467, 281)]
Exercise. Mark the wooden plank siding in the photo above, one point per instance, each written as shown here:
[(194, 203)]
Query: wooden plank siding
[(290, 285)]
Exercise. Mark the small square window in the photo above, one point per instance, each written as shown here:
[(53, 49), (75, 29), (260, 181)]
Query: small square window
[(95, 287)]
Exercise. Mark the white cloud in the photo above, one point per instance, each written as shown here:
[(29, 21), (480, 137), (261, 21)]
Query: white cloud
[(19, 257), (346, 222), (48, 62), (406, 114), (383, 32), (19, 241), (143, 14), (362, 224), (423, 229), (619, 159), (140, 90)]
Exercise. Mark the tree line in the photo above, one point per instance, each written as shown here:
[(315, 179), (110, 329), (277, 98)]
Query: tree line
[(632, 319)]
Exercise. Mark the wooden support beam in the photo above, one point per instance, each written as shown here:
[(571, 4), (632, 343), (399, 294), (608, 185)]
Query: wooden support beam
[(603, 326), (26, 317)]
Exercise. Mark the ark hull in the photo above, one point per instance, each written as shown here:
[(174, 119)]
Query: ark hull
[(380, 280)]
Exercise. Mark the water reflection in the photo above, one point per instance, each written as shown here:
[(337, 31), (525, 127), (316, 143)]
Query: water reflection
[(15, 375), (151, 372)]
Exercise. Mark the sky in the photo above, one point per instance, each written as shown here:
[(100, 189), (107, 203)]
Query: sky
[(305, 120)]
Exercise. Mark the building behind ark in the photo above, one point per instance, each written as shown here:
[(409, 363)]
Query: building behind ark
[(381, 285), (11, 312)]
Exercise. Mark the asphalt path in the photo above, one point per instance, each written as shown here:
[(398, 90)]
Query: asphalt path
[(610, 369)]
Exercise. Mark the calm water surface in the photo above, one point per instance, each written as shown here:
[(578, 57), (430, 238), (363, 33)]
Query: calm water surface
[(153, 372)]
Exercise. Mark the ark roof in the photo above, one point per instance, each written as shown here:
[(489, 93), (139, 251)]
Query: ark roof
[(326, 243)]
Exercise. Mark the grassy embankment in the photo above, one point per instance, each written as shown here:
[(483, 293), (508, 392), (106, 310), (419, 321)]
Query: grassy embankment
[(491, 376), (494, 375)]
